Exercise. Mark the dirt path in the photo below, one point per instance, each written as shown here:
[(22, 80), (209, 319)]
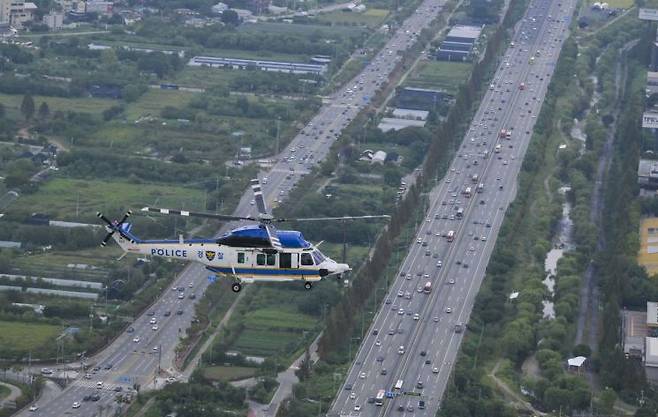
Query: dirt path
[(518, 401)]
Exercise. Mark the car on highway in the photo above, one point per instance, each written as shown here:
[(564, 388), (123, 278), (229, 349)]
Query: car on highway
[(76, 405), (451, 281), (448, 310), (348, 387), (401, 312), (34, 407), (357, 407), (155, 327), (99, 384), (416, 317), (179, 312), (353, 396), (153, 320), (362, 375), (435, 370), (181, 296), (378, 343)]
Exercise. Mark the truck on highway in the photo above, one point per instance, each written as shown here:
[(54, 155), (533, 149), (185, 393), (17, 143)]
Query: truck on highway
[(480, 188), (450, 236), (427, 288), (522, 86), (379, 399), (504, 133), (485, 154), (398, 385), (460, 213), (468, 192), (474, 178), (498, 148)]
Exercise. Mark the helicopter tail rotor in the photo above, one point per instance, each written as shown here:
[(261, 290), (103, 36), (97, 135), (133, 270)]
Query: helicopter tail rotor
[(115, 226)]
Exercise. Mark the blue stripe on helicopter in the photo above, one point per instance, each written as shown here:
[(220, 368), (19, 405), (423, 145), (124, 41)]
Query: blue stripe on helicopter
[(262, 271)]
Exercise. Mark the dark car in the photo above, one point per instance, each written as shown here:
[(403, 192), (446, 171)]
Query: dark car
[(348, 387), (107, 366), (150, 313), (96, 368), (423, 353), (131, 329), (179, 312), (118, 389), (192, 296), (371, 400), (95, 397), (86, 398), (383, 372), (167, 313)]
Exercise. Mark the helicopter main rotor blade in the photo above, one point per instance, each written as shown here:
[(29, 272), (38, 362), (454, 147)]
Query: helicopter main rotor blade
[(186, 213), (321, 219), (258, 196)]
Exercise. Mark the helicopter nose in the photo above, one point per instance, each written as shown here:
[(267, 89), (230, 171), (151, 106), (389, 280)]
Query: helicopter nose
[(340, 268)]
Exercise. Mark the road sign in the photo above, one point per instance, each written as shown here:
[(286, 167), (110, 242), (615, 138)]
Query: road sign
[(648, 14)]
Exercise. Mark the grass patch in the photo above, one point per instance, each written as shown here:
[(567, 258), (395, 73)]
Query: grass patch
[(55, 263), (264, 343), (155, 100), (621, 4), (228, 373), (21, 336), (298, 29), (12, 103), (370, 18), (59, 197), (439, 74), (4, 392)]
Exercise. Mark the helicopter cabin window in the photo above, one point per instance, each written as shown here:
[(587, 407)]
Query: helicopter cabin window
[(271, 259), (240, 257), (260, 259), (285, 260), (307, 259)]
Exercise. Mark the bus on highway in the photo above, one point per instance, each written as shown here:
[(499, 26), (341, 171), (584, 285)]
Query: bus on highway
[(379, 399), (427, 288), (398, 385), (450, 236)]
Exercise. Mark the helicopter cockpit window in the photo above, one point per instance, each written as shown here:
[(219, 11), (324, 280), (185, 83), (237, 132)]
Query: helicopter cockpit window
[(260, 259), (318, 256), (240, 257), (271, 259), (307, 259)]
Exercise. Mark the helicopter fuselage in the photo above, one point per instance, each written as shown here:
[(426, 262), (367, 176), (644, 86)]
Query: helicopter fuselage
[(245, 264)]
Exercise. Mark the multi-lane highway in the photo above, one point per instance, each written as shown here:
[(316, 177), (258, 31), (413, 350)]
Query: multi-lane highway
[(412, 344), (136, 355)]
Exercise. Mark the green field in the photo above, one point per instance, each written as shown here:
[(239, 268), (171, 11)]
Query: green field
[(371, 18), (19, 336), (621, 4), (203, 77), (271, 326), (56, 263), (439, 74), (85, 105), (228, 373), (60, 196), (155, 100), (4, 392), (287, 28)]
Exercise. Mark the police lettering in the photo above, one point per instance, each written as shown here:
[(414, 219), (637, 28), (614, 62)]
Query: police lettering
[(180, 253)]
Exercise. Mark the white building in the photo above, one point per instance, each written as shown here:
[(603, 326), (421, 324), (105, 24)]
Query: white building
[(53, 20), (21, 13), (219, 8), (5, 11), (100, 7)]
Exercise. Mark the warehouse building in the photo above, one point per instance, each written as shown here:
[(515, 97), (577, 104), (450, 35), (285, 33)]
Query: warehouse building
[(459, 44), (647, 173), (275, 66)]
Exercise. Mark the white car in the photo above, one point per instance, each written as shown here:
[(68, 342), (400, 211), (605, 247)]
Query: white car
[(439, 264), (451, 281), (155, 348), (76, 405), (357, 407), (136, 339), (401, 312), (378, 343), (155, 327), (353, 396), (416, 316), (34, 407), (153, 320), (448, 310), (435, 370), (362, 375)]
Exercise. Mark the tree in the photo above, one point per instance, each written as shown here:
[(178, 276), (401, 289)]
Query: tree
[(230, 17), (3, 111), (44, 110), (27, 107)]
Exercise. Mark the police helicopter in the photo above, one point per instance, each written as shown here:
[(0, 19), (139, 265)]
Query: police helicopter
[(253, 253)]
